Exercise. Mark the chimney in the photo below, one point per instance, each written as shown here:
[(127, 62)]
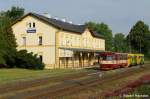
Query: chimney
[(70, 22), (64, 20), (47, 15)]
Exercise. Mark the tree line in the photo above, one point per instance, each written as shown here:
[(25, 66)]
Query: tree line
[(136, 41)]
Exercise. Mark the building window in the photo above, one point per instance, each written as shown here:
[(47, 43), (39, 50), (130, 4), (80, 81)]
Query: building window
[(41, 58), (67, 40), (30, 25), (71, 40), (23, 40), (62, 38), (40, 40), (33, 25)]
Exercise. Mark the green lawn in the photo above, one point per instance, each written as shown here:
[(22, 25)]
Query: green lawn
[(11, 75)]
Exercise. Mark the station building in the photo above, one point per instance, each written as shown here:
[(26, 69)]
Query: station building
[(58, 43)]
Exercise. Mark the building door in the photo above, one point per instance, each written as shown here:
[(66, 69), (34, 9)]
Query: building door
[(80, 60)]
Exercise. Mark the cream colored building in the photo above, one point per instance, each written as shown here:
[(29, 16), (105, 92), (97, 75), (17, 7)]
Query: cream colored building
[(58, 43)]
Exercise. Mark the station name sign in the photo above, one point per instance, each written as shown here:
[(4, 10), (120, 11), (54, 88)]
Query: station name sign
[(31, 31)]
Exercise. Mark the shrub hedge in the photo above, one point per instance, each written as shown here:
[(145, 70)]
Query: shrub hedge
[(23, 59)]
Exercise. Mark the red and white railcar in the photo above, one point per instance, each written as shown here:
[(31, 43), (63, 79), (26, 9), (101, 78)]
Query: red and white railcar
[(112, 60)]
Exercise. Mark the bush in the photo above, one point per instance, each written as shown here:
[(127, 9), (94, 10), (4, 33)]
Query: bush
[(10, 58), (2, 60), (28, 60), (21, 59)]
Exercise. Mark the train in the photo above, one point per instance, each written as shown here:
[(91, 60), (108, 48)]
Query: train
[(114, 60)]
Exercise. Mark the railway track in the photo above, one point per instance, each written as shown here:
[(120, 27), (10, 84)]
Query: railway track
[(37, 82), (72, 86), (82, 85)]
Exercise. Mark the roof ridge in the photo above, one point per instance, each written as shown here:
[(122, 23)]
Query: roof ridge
[(57, 20), (61, 25)]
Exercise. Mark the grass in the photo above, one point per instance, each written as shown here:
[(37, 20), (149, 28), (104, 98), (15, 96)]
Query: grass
[(142, 90), (11, 75), (147, 60)]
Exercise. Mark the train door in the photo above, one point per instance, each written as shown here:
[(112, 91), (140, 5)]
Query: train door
[(142, 59), (117, 58), (129, 60)]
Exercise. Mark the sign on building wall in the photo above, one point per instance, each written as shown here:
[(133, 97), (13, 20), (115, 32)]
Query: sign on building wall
[(31, 31), (65, 53)]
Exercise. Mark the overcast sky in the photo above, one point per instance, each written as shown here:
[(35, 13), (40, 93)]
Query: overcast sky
[(120, 15)]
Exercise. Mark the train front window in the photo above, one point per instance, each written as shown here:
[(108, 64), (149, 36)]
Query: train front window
[(108, 58)]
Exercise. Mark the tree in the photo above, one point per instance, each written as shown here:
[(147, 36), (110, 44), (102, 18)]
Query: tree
[(14, 13), (137, 37), (2, 44), (120, 44), (7, 18), (8, 54), (9, 43), (8, 40), (105, 31), (8, 33)]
